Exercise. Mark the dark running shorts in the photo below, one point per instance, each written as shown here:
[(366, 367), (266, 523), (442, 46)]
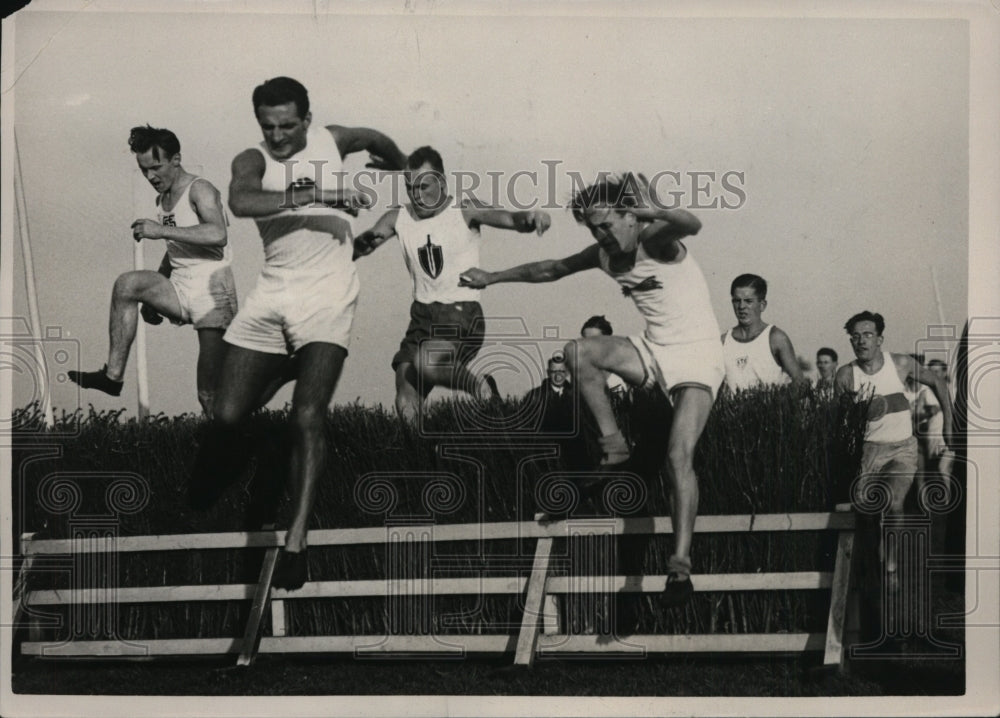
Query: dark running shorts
[(460, 323)]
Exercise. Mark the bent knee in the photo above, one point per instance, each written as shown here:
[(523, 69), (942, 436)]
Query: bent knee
[(221, 413), (128, 285)]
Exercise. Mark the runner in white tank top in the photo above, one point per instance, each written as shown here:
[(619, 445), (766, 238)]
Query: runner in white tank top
[(303, 302), (751, 364), (756, 353), (639, 245), (889, 454), (201, 274), (194, 284), (183, 255), (440, 240)]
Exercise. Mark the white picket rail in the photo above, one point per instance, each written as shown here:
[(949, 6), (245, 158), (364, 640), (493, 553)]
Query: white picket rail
[(539, 631)]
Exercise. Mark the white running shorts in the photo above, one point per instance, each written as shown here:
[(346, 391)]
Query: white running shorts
[(207, 295), (287, 310), (676, 365)]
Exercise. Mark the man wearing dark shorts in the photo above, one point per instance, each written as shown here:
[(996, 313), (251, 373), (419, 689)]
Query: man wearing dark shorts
[(440, 239)]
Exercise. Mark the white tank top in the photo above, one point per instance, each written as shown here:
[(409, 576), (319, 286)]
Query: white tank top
[(310, 239), (750, 364), (437, 250), (184, 255), (935, 427), (672, 297), (894, 423)]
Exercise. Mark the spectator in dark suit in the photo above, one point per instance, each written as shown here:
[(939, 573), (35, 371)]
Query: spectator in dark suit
[(556, 398)]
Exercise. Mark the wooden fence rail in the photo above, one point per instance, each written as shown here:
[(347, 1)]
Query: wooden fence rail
[(540, 625)]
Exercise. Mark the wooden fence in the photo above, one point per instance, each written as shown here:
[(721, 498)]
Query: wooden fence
[(540, 633)]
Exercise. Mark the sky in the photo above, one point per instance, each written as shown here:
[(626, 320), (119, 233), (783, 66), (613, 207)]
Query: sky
[(828, 155)]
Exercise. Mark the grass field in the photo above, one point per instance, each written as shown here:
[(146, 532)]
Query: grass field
[(781, 450)]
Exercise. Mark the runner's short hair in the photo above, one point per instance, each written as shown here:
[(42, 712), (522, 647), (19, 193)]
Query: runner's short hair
[(827, 351), (866, 316), (164, 143), (425, 156), (757, 283), (280, 91), (619, 191)]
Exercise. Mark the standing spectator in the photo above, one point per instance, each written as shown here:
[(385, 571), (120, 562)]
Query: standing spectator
[(555, 397), (563, 416)]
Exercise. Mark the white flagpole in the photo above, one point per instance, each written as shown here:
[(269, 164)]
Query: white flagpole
[(140, 346), (138, 263), (29, 279)]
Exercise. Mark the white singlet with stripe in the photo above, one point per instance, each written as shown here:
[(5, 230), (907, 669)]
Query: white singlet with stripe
[(895, 423), (310, 239), (184, 255), (437, 250), (672, 297), (750, 364)]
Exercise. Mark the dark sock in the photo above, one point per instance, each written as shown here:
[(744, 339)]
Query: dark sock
[(678, 588), (96, 380)]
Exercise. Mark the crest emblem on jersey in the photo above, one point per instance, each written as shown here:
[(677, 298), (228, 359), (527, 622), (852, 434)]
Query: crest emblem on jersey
[(431, 258), (169, 221), (741, 362), (644, 286)]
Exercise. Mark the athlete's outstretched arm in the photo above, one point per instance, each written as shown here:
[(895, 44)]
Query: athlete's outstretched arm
[(534, 221), (385, 155), (547, 270), (371, 239), (248, 198), (210, 230)]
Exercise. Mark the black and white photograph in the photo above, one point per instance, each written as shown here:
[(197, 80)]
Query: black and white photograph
[(675, 389)]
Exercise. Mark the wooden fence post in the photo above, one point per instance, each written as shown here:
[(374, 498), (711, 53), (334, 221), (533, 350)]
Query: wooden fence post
[(527, 640), (839, 593), (251, 635)]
